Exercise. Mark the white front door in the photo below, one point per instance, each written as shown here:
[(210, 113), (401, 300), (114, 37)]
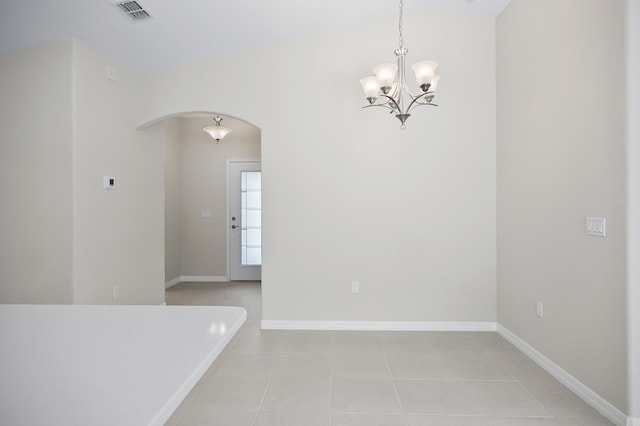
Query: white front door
[(244, 186)]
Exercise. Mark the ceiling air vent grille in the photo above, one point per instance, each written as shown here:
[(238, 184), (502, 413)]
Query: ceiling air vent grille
[(133, 9)]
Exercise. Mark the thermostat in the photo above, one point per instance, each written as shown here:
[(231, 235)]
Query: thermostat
[(108, 182)]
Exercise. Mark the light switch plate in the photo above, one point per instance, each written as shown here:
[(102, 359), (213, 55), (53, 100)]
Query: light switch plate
[(595, 226)]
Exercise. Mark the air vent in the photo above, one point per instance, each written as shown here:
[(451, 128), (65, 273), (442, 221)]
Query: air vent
[(133, 9)]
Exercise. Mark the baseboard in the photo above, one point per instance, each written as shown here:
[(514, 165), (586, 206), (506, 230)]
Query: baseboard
[(204, 279), (600, 404), (196, 279), (171, 283), (379, 325)]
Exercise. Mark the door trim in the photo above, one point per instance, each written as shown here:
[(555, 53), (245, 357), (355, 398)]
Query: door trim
[(228, 214)]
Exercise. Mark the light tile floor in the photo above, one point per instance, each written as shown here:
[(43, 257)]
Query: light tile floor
[(340, 378)]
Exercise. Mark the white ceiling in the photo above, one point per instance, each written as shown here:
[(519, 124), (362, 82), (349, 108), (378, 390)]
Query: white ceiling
[(185, 31)]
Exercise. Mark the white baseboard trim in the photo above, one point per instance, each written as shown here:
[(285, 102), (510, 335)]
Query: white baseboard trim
[(378, 325), (204, 279), (196, 279), (600, 404), (171, 283)]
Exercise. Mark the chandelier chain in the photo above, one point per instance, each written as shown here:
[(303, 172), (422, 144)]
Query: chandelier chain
[(400, 26)]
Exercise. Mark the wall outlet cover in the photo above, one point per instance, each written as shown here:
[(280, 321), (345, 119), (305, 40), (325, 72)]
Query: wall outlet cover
[(595, 226)]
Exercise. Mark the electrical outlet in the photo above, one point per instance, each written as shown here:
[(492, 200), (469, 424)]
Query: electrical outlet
[(539, 309), (355, 287)]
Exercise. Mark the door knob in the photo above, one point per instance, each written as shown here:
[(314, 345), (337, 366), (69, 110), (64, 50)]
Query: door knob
[(234, 226)]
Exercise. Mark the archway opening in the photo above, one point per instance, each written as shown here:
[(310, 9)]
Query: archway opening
[(197, 218)]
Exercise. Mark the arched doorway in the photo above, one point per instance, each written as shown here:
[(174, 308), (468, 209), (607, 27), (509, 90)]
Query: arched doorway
[(197, 222)]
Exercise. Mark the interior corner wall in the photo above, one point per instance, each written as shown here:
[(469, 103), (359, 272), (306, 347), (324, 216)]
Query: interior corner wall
[(172, 199), (633, 205), (36, 175), (347, 195), (561, 157), (118, 245)]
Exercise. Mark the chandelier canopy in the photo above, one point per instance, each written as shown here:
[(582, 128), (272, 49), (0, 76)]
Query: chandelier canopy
[(395, 95), (217, 132)]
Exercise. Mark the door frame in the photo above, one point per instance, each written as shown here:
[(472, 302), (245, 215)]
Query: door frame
[(228, 215)]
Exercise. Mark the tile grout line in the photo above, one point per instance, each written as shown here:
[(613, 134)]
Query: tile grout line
[(331, 380), (395, 388), (264, 394), (519, 381), (486, 346), (553, 416)]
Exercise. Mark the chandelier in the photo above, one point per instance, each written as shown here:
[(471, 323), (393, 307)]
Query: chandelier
[(395, 95), (217, 132)]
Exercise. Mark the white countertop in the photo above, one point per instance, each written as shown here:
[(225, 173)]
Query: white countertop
[(105, 365)]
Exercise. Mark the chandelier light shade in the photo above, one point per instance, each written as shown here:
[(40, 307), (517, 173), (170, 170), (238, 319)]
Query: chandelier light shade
[(394, 94), (217, 132)]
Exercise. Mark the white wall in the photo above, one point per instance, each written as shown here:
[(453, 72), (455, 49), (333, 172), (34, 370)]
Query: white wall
[(118, 238), (633, 203), (347, 194), (36, 175), (64, 238), (195, 183), (561, 157)]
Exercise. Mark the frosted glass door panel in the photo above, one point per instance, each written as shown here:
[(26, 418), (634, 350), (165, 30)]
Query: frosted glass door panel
[(244, 219), (254, 200), (251, 237), (254, 237), (252, 180), (251, 218), (252, 256)]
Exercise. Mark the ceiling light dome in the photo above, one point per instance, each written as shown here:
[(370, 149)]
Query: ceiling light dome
[(217, 132)]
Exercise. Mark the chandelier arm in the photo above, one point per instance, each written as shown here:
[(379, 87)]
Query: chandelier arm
[(391, 100), (386, 105), (425, 103), (416, 100)]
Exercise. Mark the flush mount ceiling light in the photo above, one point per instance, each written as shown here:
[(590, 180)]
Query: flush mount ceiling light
[(396, 97), (217, 132)]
